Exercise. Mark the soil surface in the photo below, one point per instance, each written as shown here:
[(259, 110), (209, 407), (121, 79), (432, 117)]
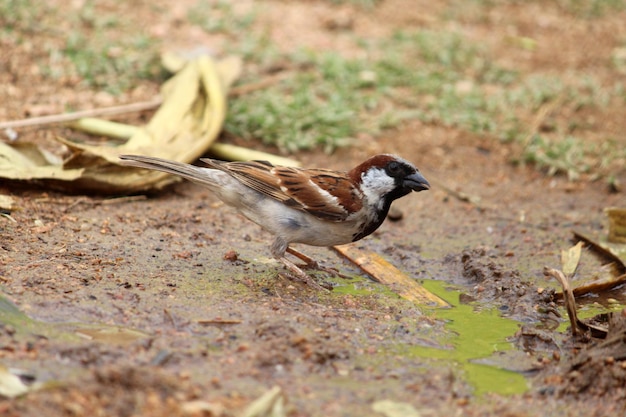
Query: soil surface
[(171, 304)]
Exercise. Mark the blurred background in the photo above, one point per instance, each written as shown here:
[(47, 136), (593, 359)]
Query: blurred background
[(545, 79)]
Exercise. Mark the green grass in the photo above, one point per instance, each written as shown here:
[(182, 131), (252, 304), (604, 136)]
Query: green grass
[(319, 106), (24, 17), (108, 54), (361, 3), (220, 16), (591, 8), (102, 49), (573, 156), (475, 10), (112, 65), (329, 100)]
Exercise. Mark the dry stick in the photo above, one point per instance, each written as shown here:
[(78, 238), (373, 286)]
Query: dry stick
[(108, 201), (128, 108), (577, 325), (68, 117), (266, 82), (459, 195), (568, 297), (168, 316)]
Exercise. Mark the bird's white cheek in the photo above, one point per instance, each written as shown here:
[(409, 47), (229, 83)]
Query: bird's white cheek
[(376, 184)]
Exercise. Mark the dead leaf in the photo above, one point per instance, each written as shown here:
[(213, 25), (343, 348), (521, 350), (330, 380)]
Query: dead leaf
[(27, 161), (11, 383), (182, 129), (568, 296), (229, 152), (188, 121), (203, 408), (110, 334), (614, 252), (102, 127), (270, 404), (617, 224), (395, 409), (6, 202), (570, 259)]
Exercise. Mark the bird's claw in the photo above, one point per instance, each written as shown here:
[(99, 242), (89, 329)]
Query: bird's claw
[(299, 275)]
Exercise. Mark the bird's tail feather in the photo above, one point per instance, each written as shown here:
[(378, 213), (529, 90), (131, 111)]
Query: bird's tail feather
[(190, 172)]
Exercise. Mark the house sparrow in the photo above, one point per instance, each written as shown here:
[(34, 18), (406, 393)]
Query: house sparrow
[(317, 207)]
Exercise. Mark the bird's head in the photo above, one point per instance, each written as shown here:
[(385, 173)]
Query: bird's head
[(387, 177)]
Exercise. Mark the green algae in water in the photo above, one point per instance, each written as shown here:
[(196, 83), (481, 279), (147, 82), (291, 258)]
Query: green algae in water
[(474, 334), (359, 285), (588, 311)]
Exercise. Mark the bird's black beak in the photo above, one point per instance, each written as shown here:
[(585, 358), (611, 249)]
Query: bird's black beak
[(416, 182)]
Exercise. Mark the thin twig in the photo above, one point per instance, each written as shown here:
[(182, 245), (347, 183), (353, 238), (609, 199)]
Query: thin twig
[(266, 82), (577, 326), (69, 117), (169, 318), (218, 322), (459, 195), (123, 200), (568, 297)]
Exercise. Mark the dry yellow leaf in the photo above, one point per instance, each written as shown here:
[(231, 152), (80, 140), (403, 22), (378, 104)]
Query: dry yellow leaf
[(183, 128), (570, 259)]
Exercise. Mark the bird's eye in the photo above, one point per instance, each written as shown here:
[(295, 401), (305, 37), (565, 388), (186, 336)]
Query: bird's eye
[(394, 168)]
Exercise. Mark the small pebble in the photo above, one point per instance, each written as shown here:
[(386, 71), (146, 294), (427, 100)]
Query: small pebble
[(231, 256), (395, 214)]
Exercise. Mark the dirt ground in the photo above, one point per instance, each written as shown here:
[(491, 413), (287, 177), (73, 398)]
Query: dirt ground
[(139, 307)]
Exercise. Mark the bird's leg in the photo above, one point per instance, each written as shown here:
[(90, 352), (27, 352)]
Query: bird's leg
[(300, 274), (312, 263), (279, 247)]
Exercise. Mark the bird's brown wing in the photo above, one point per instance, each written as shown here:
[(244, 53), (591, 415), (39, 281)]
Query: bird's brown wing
[(326, 194)]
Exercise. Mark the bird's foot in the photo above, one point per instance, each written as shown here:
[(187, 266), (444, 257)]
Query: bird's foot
[(299, 275), (310, 263)]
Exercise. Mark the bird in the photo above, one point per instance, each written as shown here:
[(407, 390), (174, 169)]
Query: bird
[(314, 206)]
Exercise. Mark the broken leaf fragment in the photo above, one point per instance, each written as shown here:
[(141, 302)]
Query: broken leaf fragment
[(570, 259), (6, 202), (615, 253), (395, 409), (13, 382), (25, 326), (27, 161), (202, 408), (270, 404), (110, 334), (188, 121), (617, 224)]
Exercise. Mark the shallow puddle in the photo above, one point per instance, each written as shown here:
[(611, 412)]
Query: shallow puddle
[(475, 334)]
